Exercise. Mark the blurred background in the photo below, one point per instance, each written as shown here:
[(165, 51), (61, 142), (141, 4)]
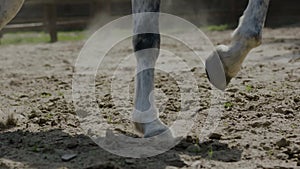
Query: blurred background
[(52, 16)]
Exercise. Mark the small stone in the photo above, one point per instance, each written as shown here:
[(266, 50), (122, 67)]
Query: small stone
[(193, 148), (129, 161), (283, 142), (266, 147), (68, 157), (215, 136), (51, 104)]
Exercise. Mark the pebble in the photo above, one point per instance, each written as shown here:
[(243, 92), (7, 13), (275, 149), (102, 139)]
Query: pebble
[(129, 161), (267, 147), (193, 148), (50, 104), (68, 157)]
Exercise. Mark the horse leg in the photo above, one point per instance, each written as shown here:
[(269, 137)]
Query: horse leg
[(247, 36), (8, 10), (146, 47)]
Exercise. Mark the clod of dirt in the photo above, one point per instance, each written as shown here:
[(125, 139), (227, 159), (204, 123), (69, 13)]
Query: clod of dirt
[(215, 136), (293, 152), (72, 144), (15, 83), (223, 155), (103, 166), (33, 114), (282, 156), (232, 90), (283, 110), (283, 143), (251, 97), (296, 150), (42, 121), (190, 139), (266, 147), (261, 123), (9, 122), (68, 157)]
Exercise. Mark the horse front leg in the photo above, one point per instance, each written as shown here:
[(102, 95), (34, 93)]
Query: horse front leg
[(146, 47)]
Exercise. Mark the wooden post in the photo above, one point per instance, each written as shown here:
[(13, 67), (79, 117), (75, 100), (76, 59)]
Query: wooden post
[(233, 11), (104, 6), (50, 10), (1, 35), (93, 8)]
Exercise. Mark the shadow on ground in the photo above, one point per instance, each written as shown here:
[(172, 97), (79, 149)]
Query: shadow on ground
[(21, 149)]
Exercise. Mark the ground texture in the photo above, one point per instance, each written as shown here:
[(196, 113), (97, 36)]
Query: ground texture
[(259, 127)]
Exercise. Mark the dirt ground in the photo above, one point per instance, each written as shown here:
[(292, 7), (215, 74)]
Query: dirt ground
[(259, 127)]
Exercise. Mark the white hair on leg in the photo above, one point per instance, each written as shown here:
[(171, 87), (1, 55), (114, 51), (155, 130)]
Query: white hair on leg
[(146, 42)]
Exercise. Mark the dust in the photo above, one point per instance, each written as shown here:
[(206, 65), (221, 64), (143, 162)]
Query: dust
[(98, 21), (189, 10)]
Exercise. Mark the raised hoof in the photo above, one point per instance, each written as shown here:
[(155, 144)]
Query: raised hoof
[(215, 71), (8, 10)]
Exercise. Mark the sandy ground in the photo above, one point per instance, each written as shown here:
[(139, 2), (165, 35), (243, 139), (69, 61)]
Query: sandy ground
[(259, 127)]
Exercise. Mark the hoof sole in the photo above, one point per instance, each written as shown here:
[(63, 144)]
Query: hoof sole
[(215, 71)]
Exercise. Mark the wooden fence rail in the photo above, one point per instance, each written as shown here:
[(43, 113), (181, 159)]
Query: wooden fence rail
[(55, 15), (47, 17)]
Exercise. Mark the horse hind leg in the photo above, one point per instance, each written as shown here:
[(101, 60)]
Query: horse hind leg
[(8, 10), (247, 36)]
